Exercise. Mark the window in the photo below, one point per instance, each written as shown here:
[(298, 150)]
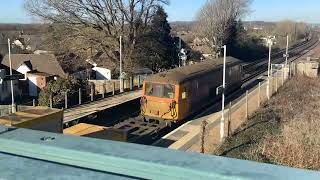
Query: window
[(160, 90), (184, 95)]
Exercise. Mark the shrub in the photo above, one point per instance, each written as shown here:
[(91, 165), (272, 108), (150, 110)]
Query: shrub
[(58, 88)]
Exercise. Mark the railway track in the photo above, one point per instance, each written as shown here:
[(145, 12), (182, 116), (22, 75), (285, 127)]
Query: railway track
[(259, 68), (139, 131), (279, 54)]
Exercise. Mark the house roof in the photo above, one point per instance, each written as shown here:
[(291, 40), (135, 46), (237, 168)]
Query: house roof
[(46, 63), (7, 69), (142, 71), (37, 73), (28, 63)]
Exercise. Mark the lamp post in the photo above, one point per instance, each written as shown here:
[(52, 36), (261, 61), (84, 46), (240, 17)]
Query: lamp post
[(287, 49), (121, 81), (179, 49), (223, 93), (13, 107), (269, 66)]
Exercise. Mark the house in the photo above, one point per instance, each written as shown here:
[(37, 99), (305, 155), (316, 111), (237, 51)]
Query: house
[(37, 81), (102, 73), (94, 72), (5, 86), (24, 63), (37, 68)]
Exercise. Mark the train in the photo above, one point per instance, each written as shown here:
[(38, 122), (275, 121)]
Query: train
[(177, 94)]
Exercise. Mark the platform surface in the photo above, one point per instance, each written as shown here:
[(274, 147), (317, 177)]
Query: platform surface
[(100, 105)]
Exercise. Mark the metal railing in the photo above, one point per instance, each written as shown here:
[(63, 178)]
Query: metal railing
[(96, 90), (237, 111)]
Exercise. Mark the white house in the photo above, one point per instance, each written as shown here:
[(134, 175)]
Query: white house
[(46, 63), (25, 67), (102, 73), (37, 68)]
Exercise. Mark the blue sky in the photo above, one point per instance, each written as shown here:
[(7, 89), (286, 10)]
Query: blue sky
[(185, 10)]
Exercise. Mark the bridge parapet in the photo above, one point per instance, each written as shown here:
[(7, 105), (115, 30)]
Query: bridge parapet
[(125, 160)]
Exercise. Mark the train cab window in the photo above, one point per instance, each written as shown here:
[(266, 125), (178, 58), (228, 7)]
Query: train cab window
[(184, 93), (160, 90)]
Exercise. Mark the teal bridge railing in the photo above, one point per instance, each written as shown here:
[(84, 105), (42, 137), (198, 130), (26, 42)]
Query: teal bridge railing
[(29, 154)]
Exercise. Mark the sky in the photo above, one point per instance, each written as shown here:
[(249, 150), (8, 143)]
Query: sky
[(12, 11)]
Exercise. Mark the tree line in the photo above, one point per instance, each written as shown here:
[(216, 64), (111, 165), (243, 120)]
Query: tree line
[(90, 29), (220, 22)]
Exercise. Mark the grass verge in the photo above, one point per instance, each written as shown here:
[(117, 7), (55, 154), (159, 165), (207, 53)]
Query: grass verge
[(285, 131)]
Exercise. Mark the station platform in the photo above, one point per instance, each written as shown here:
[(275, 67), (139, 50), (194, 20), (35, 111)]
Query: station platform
[(186, 137), (84, 110), (30, 154)]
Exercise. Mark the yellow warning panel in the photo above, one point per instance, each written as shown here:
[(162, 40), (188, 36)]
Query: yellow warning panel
[(37, 118), (83, 129), (94, 131)]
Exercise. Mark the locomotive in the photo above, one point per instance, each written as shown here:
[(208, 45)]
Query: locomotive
[(178, 93)]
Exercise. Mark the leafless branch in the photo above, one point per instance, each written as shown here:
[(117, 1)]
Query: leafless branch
[(217, 17)]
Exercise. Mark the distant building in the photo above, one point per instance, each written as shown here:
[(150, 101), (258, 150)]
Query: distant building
[(38, 81), (46, 63), (201, 45), (42, 52), (38, 70), (102, 73), (19, 44), (257, 28)]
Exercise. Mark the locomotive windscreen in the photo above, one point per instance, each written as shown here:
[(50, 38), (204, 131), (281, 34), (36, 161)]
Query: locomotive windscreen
[(160, 90)]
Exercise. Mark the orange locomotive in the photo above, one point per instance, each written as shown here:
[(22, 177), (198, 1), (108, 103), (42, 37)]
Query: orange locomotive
[(178, 93)]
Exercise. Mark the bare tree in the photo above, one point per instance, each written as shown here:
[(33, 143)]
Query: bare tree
[(109, 18), (217, 19), (296, 30)]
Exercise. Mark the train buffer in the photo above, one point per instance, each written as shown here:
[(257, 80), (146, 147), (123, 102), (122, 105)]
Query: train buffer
[(82, 111)]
